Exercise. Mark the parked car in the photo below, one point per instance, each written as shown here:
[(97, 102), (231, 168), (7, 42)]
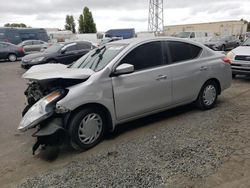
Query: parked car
[(31, 46), (197, 36), (119, 82), (10, 51), (223, 43), (240, 59), (64, 53)]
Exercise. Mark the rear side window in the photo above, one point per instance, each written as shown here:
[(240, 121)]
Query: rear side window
[(84, 46), (145, 56), (181, 51)]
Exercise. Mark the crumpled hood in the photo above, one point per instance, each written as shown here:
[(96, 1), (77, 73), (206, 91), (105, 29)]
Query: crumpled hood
[(54, 71), (242, 50)]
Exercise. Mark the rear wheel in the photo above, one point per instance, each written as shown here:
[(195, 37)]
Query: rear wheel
[(207, 96), (87, 128), (12, 57)]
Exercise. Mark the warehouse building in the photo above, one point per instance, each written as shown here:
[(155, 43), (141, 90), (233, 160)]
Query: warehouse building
[(235, 28)]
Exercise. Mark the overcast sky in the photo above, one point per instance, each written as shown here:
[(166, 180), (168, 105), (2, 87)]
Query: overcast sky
[(120, 14)]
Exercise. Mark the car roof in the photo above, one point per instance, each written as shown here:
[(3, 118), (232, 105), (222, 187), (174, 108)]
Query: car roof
[(7, 43), (134, 41)]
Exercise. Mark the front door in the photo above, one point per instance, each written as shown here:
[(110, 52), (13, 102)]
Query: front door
[(148, 88)]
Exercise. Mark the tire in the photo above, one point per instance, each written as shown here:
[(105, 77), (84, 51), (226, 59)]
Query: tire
[(87, 128), (12, 57), (233, 75), (208, 96)]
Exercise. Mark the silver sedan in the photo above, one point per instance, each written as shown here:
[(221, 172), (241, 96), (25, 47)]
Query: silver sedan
[(119, 82)]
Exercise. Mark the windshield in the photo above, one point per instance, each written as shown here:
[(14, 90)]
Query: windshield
[(54, 48), (98, 58), (246, 43), (184, 35)]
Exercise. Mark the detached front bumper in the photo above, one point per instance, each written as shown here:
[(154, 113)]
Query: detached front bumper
[(50, 133)]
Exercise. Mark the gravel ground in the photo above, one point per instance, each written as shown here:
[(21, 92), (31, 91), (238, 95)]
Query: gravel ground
[(183, 148)]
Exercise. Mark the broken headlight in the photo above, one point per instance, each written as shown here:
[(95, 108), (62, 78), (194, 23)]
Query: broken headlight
[(40, 111)]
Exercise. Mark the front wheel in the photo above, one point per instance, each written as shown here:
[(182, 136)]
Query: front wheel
[(87, 128), (207, 96)]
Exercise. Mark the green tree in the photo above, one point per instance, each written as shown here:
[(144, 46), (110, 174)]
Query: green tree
[(81, 24), (22, 25), (70, 24), (86, 22)]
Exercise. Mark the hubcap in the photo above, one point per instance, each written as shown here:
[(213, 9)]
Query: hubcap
[(90, 128), (209, 95), (12, 58)]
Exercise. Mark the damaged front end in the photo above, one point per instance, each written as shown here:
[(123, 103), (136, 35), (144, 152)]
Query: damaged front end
[(42, 111), (43, 115)]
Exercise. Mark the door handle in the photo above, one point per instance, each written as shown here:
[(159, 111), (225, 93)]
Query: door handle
[(203, 68), (161, 77)]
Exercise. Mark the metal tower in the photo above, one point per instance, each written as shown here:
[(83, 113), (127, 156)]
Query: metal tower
[(155, 17)]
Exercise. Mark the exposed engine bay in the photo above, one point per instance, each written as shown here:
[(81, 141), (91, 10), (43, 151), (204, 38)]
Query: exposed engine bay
[(38, 89)]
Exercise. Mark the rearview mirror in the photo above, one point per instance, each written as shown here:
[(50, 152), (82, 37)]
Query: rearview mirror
[(124, 69)]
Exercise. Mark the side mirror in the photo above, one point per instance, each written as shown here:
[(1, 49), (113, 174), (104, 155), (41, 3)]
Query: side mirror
[(124, 69)]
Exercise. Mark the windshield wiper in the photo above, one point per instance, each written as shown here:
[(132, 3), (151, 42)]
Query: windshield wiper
[(98, 50), (100, 57)]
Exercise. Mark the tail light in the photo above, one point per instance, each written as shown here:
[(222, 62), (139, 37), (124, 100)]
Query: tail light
[(21, 50), (227, 60)]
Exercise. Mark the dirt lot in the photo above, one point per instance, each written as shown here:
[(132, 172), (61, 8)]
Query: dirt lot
[(183, 147)]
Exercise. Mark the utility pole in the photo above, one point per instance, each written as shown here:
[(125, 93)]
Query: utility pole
[(156, 16)]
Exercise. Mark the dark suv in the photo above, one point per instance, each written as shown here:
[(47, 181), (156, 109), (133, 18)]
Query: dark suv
[(64, 53)]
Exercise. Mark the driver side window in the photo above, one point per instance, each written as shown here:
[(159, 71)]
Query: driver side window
[(145, 56)]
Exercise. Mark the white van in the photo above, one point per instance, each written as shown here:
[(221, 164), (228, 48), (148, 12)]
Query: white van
[(197, 36)]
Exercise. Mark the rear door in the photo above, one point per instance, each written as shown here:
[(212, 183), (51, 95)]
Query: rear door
[(28, 46), (36, 45), (188, 71), (148, 88)]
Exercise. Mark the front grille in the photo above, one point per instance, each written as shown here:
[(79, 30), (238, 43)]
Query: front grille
[(242, 58)]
